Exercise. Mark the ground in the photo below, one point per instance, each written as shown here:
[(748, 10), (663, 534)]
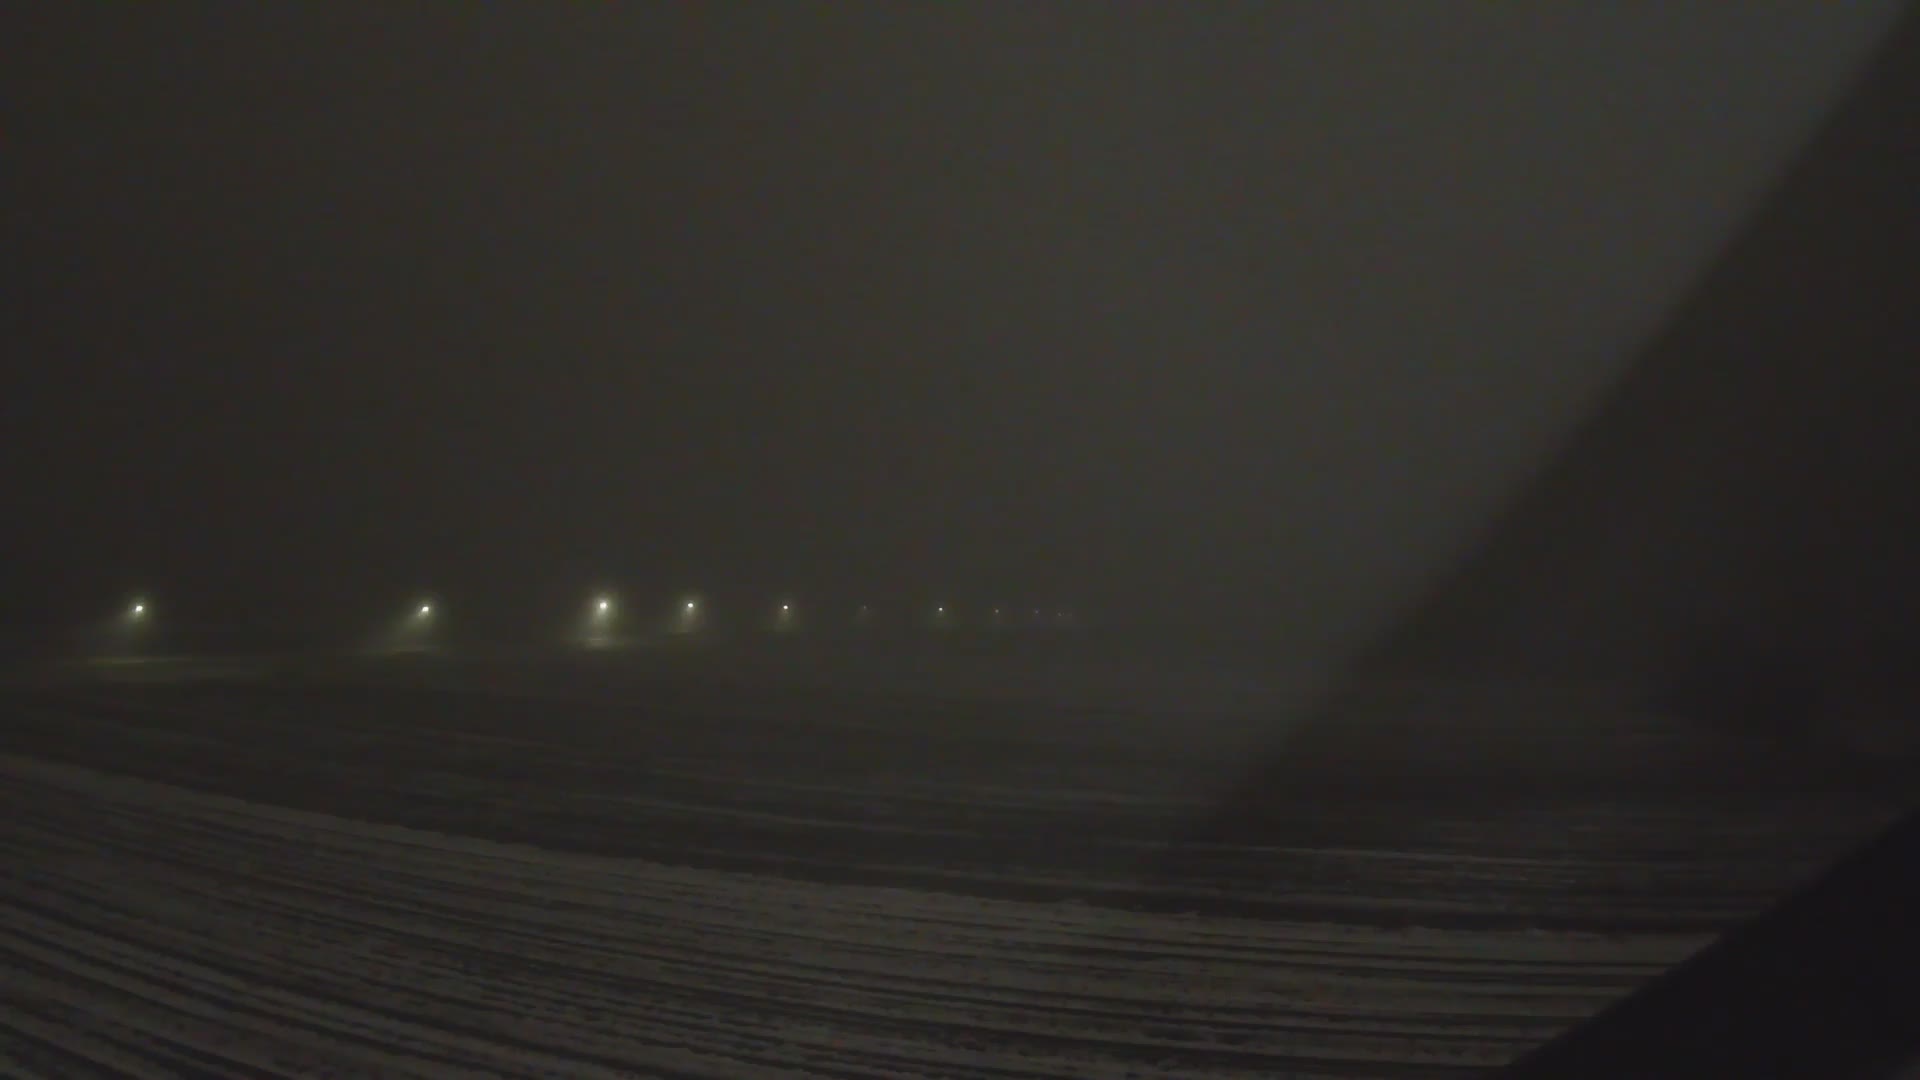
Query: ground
[(600, 867)]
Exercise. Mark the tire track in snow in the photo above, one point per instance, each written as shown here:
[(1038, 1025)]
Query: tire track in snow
[(496, 880), (516, 960), (674, 793)]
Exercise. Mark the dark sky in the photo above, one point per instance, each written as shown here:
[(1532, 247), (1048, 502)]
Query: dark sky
[(1209, 310)]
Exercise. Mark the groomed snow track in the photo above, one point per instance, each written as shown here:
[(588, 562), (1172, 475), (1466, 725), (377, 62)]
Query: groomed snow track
[(154, 931), (234, 881)]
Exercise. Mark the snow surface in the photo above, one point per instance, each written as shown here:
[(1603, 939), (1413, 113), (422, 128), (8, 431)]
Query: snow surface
[(432, 874), (186, 931)]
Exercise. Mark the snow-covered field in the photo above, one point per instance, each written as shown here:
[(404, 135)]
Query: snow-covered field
[(558, 876)]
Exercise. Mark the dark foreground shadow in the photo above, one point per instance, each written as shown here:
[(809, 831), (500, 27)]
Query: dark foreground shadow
[(1826, 984), (1728, 542)]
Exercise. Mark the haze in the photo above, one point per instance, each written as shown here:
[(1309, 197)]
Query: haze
[(1238, 316)]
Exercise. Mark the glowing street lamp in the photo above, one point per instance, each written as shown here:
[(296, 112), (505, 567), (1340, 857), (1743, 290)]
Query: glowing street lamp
[(415, 629), (597, 632), (601, 609), (688, 616), (132, 631)]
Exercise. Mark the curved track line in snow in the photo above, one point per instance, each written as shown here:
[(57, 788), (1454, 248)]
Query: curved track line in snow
[(208, 933), (658, 785)]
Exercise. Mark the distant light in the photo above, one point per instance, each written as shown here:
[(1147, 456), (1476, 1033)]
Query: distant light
[(690, 607), (786, 607), (941, 610), (603, 605), (425, 610), (139, 608)]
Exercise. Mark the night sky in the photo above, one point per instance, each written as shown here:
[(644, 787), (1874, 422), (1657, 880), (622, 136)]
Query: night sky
[(1243, 314)]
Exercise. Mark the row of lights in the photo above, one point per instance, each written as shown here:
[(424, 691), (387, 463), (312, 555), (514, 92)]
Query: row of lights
[(139, 610)]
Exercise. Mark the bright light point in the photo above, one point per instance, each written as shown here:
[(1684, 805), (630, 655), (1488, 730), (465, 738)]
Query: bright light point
[(603, 605), (690, 607), (139, 609), (425, 610), (786, 607)]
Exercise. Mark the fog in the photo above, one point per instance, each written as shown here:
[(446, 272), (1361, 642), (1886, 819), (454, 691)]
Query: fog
[(1201, 539), (1246, 319)]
